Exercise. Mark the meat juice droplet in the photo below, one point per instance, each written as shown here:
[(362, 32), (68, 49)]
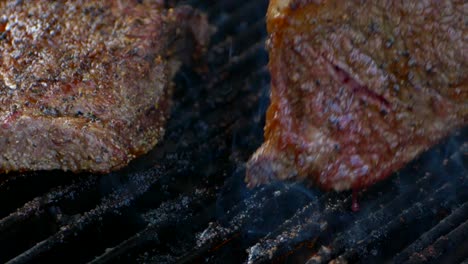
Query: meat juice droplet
[(355, 205)]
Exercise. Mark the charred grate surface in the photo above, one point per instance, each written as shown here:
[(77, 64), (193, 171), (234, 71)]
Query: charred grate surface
[(185, 202)]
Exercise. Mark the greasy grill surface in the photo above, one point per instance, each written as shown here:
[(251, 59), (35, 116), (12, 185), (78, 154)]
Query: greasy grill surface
[(185, 202)]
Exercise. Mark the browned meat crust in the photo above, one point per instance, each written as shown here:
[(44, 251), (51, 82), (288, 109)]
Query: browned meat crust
[(360, 88), (85, 85)]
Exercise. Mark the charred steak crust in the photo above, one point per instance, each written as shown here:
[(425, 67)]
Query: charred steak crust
[(360, 88), (86, 85)]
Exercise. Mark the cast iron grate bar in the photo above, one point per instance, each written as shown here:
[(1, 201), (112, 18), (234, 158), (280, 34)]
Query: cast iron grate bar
[(282, 242), (419, 210), (424, 184), (39, 203), (218, 235), (38, 213), (369, 223), (272, 247), (123, 197), (304, 228), (444, 245), (223, 98), (26, 186), (167, 215), (444, 227)]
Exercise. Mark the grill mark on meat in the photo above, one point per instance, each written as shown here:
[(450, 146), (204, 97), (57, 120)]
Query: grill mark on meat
[(347, 109), (345, 78)]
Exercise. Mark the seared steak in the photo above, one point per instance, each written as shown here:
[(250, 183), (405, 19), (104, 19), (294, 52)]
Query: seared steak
[(86, 85), (360, 88)]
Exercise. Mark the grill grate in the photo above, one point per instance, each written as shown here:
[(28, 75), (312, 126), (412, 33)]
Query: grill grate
[(445, 226), (185, 202)]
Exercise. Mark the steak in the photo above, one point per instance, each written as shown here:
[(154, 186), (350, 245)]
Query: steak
[(86, 85), (360, 88)]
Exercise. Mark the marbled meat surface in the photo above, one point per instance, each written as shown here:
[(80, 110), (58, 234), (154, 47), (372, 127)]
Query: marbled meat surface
[(360, 88), (86, 85)]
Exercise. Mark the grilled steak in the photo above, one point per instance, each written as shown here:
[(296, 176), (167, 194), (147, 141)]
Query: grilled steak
[(360, 88), (85, 85)]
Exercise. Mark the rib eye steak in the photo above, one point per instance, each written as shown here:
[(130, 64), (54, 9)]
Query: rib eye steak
[(86, 85), (360, 88)]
